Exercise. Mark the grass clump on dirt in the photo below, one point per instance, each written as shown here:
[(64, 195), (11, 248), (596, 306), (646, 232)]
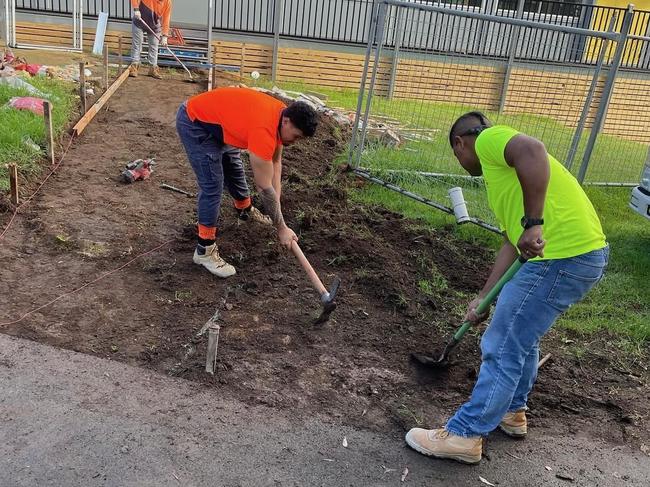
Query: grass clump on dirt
[(21, 130), (621, 302)]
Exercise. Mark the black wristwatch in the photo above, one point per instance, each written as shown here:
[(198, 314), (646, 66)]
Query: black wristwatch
[(531, 222)]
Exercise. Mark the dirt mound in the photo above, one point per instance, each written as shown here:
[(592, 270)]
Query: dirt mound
[(403, 287)]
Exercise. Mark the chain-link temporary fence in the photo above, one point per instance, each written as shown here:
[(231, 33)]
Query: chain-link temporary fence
[(624, 136), (553, 82)]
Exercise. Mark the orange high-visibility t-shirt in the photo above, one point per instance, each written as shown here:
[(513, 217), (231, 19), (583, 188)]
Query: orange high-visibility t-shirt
[(155, 13), (249, 119)]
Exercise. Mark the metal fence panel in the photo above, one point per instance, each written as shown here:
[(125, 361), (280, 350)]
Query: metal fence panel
[(618, 159), (347, 21), (402, 140)]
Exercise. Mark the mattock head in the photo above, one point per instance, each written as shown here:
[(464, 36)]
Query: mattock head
[(329, 304)]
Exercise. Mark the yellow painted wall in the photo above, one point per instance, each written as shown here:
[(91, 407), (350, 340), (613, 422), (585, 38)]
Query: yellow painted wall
[(638, 4), (633, 48)]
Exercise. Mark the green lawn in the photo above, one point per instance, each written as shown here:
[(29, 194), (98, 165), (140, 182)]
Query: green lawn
[(621, 303), (20, 129), (613, 160)]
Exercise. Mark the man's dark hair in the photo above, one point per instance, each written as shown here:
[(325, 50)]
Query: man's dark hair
[(303, 116), (472, 123)]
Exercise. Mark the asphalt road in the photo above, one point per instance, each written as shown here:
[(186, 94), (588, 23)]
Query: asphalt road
[(68, 419)]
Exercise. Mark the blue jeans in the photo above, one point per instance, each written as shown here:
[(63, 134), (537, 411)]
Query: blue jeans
[(137, 38), (526, 309), (214, 164)]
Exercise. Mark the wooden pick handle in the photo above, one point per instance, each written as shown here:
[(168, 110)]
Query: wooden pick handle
[(311, 273)]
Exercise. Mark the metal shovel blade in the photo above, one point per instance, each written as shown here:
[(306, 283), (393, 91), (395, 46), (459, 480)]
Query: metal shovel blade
[(441, 362), (427, 360)]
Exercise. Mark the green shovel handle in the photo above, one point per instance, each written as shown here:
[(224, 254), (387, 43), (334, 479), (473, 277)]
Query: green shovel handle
[(491, 296)]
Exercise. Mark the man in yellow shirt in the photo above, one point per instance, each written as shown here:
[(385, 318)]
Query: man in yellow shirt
[(548, 219)]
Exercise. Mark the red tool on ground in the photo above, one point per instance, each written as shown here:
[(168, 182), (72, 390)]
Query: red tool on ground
[(138, 170)]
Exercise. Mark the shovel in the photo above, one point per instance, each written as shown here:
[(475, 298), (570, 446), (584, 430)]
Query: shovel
[(191, 79), (443, 361)]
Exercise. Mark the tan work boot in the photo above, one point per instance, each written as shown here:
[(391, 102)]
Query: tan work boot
[(212, 262), (443, 444), (515, 424), (154, 72), (253, 215), (133, 70)]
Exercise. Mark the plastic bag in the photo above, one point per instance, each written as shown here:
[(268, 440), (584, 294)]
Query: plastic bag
[(7, 71), (34, 105), (19, 83), (32, 69), (7, 56)]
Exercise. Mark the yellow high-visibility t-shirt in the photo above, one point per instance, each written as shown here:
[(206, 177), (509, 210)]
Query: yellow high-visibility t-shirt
[(571, 225)]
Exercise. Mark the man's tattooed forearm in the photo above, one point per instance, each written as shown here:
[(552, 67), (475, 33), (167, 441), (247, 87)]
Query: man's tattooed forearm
[(272, 207)]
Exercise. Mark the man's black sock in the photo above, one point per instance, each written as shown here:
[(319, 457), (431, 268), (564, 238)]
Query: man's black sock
[(203, 243)]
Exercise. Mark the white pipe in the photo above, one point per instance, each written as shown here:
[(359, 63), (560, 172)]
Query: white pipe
[(210, 69), (81, 26), (458, 204), (13, 23), (74, 24)]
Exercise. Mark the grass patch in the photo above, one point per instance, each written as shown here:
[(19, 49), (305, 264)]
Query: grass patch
[(372, 194), (21, 129), (621, 302), (614, 158)]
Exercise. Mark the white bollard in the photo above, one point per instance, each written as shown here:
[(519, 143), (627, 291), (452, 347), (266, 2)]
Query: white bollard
[(459, 206)]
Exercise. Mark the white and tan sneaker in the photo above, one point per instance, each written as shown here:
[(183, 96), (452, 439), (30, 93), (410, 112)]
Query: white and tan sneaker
[(212, 262), (441, 443), (514, 424)]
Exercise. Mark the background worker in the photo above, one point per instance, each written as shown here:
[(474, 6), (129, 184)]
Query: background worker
[(156, 14), (549, 220), (213, 127)]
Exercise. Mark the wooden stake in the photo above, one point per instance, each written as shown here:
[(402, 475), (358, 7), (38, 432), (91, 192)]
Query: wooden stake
[(49, 136), (544, 360), (13, 183), (105, 68), (213, 81), (119, 44), (213, 343), (82, 86), (88, 116), (242, 60)]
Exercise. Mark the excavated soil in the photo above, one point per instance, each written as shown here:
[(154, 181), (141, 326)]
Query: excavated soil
[(84, 224)]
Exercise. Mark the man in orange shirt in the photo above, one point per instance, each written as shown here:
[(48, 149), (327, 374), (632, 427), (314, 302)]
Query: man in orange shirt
[(213, 127), (156, 14)]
